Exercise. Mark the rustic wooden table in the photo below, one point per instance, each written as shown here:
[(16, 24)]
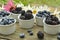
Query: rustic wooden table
[(35, 29)]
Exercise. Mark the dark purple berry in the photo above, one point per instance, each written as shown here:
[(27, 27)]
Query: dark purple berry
[(29, 11), (18, 9), (22, 17), (40, 35), (22, 12), (28, 16), (15, 10), (52, 20)]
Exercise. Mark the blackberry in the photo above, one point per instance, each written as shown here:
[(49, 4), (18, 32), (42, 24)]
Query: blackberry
[(18, 9), (22, 17), (22, 12), (29, 11), (40, 35), (28, 16)]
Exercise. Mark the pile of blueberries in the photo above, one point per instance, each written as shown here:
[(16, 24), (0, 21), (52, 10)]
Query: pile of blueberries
[(6, 21), (26, 15), (16, 10), (52, 20), (4, 13), (43, 13)]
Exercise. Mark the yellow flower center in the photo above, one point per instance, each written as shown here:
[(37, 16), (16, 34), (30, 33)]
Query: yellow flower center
[(34, 11)]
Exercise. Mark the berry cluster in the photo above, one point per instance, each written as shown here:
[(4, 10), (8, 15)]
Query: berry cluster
[(4, 13), (6, 21), (52, 20), (43, 13), (16, 10), (26, 15)]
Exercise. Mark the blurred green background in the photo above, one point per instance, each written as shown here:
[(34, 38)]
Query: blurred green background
[(40, 2)]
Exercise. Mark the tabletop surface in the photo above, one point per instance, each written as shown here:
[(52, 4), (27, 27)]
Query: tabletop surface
[(35, 29)]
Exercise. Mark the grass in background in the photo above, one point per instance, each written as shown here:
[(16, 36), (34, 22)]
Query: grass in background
[(40, 2)]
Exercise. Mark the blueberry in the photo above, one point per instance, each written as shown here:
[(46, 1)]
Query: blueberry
[(44, 11), (1, 23), (22, 35), (29, 11), (9, 22), (39, 12), (0, 15), (2, 20), (31, 33), (40, 35), (6, 21), (46, 15), (3, 13), (39, 15)]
